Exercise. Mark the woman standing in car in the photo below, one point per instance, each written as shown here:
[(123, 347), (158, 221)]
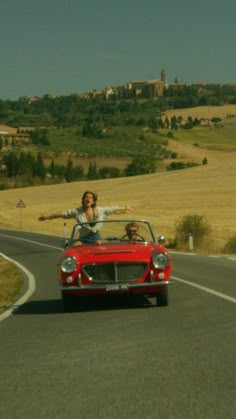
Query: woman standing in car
[(89, 212)]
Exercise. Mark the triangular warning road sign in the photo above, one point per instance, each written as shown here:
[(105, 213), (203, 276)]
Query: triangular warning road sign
[(20, 204)]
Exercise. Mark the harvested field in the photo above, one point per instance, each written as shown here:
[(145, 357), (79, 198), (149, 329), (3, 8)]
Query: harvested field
[(163, 198), (207, 112)]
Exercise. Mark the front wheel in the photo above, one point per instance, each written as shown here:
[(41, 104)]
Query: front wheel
[(162, 297)]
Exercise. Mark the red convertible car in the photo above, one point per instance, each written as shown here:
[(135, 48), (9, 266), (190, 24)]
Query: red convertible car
[(127, 260)]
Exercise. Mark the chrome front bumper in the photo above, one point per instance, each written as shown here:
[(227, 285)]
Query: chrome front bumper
[(115, 286)]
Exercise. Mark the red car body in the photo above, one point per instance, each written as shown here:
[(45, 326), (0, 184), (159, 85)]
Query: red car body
[(115, 266)]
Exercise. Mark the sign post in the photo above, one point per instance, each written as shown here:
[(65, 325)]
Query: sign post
[(20, 205), (64, 229)]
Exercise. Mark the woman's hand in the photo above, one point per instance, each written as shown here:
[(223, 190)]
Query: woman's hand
[(129, 209)]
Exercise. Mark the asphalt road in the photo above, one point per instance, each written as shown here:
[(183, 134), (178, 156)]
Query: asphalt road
[(118, 359)]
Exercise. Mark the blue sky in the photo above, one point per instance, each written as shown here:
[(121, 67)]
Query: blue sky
[(69, 46)]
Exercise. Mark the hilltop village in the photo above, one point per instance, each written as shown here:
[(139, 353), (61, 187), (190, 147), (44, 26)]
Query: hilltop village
[(150, 89)]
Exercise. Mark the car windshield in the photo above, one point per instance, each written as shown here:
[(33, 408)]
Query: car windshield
[(116, 231)]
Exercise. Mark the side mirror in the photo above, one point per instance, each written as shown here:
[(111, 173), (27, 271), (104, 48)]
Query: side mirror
[(161, 239), (65, 243)]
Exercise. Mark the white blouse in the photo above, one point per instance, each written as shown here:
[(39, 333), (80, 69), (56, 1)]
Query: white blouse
[(79, 215)]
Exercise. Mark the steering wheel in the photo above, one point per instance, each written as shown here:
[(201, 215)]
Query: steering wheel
[(137, 238)]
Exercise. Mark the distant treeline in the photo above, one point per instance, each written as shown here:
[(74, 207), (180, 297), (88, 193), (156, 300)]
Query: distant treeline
[(26, 166), (129, 127), (90, 112)]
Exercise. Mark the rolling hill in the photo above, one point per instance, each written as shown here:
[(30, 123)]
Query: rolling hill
[(163, 198)]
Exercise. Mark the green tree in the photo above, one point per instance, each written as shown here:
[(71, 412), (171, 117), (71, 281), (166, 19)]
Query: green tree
[(167, 122), (21, 163), (59, 170), (140, 165), (40, 136), (30, 164), (78, 172), (40, 169), (12, 164), (92, 171), (69, 173), (152, 123), (108, 172), (173, 123), (52, 168)]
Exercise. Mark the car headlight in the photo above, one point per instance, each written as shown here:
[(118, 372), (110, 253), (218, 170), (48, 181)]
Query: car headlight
[(160, 260), (68, 264)]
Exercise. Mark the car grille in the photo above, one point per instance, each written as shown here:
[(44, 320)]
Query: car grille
[(115, 272)]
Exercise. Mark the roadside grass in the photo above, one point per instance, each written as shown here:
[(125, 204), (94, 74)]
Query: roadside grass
[(11, 282)]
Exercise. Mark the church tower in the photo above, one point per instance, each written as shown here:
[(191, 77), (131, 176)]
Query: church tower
[(163, 75)]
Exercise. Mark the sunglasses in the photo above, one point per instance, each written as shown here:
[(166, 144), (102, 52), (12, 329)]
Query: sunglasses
[(132, 231)]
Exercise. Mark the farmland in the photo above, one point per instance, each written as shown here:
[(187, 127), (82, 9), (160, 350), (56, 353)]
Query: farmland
[(163, 197)]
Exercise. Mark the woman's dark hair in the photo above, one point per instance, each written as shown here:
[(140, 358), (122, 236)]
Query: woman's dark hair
[(94, 195)]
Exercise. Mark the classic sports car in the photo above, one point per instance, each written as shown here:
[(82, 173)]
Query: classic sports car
[(127, 260)]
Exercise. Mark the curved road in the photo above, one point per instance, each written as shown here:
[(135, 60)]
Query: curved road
[(119, 360)]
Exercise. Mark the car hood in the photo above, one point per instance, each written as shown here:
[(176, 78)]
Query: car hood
[(107, 252)]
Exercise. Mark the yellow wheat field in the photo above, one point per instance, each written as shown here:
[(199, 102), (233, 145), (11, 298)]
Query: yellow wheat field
[(163, 198), (204, 112)]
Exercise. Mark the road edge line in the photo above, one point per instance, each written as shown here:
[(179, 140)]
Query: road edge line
[(31, 289), (206, 289)]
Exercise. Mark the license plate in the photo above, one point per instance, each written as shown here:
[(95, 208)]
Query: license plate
[(116, 287)]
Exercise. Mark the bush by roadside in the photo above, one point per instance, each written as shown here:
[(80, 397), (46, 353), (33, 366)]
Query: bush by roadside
[(230, 246), (198, 228)]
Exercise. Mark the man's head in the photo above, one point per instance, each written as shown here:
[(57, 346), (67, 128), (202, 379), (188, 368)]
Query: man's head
[(131, 229)]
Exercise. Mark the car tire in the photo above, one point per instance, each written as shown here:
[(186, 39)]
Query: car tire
[(70, 302), (162, 297)]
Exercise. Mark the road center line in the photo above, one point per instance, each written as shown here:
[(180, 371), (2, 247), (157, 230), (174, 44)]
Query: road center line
[(31, 241), (192, 284), (206, 289)]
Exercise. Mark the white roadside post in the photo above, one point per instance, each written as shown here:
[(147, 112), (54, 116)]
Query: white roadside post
[(65, 230), (190, 241)]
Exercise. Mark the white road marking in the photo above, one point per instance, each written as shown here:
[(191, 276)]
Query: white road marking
[(210, 256), (28, 293), (206, 289), (183, 253), (30, 241), (31, 278), (32, 286)]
